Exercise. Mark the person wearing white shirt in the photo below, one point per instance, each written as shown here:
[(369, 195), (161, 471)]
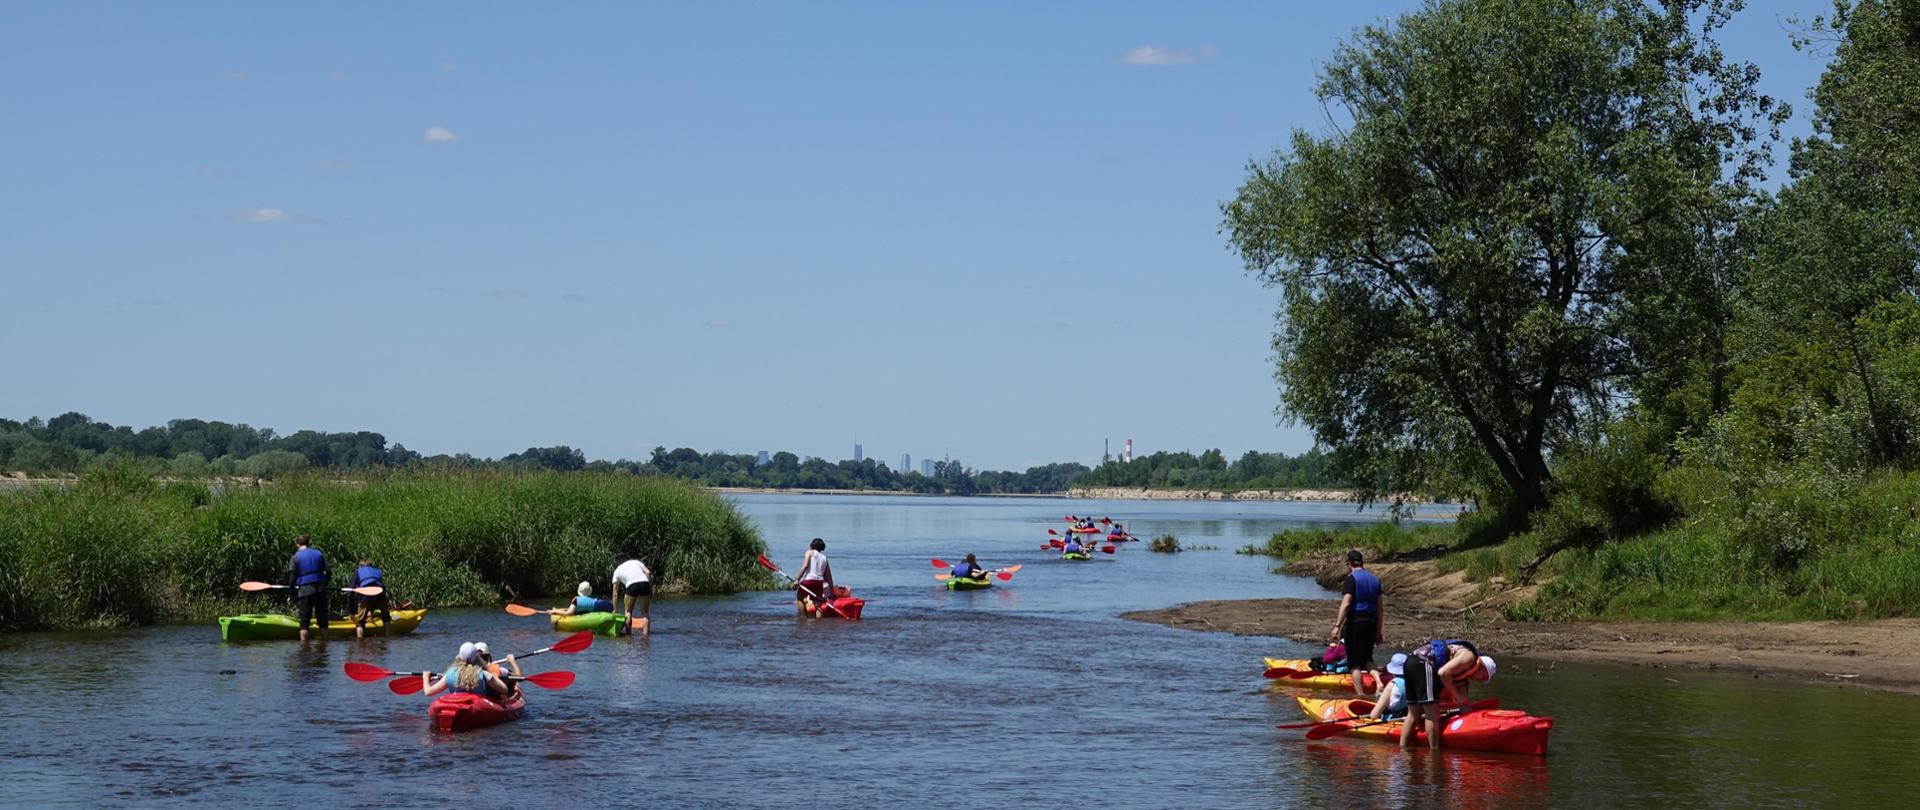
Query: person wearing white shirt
[(632, 580)]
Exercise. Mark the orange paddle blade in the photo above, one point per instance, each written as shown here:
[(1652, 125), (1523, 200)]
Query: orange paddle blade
[(258, 586), (521, 610)]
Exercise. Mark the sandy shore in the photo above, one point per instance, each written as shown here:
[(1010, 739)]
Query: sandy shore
[(1875, 654)]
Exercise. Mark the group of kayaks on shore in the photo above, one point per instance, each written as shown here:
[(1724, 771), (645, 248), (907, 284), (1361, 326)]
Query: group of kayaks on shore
[(1419, 696)]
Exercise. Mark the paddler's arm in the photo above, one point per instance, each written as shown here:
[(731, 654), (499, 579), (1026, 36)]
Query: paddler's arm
[(1340, 618)]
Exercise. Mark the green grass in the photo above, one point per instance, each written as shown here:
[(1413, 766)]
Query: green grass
[(118, 549), (1375, 540)]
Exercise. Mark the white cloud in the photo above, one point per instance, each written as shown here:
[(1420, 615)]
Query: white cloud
[(439, 135), (1150, 56), (263, 215)]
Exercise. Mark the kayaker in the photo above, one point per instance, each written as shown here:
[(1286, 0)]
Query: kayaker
[(1119, 532), (363, 576), (584, 602), (486, 659), (815, 583), (1358, 623), (308, 575), (1391, 701), (634, 582), (469, 675), (1073, 546), (1440, 672), (970, 570)]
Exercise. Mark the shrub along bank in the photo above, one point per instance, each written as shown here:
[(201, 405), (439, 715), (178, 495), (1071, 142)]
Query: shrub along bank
[(119, 548)]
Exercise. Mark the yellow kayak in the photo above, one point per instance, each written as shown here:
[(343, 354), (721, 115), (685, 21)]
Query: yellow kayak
[(1327, 681), (275, 626), (1501, 730)]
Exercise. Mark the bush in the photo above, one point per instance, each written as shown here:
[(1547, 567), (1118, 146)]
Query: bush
[(1164, 544)]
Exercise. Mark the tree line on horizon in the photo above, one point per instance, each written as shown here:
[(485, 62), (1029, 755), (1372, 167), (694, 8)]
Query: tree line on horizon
[(194, 448)]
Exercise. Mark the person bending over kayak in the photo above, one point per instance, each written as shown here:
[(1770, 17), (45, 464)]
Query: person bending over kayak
[(632, 580), (815, 583), (583, 603), (364, 576), (469, 675), (970, 570), (1440, 672), (308, 575), (1390, 703), (1357, 624), (493, 668)]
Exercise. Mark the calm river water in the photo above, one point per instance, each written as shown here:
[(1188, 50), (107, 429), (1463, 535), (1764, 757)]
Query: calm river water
[(1029, 695)]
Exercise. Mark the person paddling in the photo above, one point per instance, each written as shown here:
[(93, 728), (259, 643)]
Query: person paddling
[(634, 582), (469, 675), (493, 668), (1357, 625), (1441, 672), (363, 576), (308, 575), (583, 603), (1073, 546), (970, 570), (815, 583)]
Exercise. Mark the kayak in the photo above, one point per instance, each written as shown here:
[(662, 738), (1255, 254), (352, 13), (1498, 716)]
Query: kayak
[(844, 607), (280, 627), (460, 711), (1500, 730), (968, 584), (1083, 530), (1120, 538), (1328, 680), (1075, 555), (606, 624)]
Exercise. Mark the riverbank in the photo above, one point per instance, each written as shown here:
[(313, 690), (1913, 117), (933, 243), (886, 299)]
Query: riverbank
[(1875, 654), (1145, 494)]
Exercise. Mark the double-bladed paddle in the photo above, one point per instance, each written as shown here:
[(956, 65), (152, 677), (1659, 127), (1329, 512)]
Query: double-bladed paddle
[(253, 587), (826, 602), (523, 610)]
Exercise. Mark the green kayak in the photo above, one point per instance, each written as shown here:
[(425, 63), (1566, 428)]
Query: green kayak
[(606, 624), (1075, 555), (278, 627), (968, 584)]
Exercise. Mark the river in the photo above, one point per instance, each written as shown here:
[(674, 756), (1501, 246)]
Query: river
[(1028, 695)]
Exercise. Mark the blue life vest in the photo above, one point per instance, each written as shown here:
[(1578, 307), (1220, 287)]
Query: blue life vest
[(1399, 703), (965, 570), (310, 567), (368, 575), (1366, 592), (588, 604), (453, 681), (1437, 653), (1073, 546)]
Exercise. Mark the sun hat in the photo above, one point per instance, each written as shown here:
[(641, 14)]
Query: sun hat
[(1398, 664), (481, 648), (1486, 665), (585, 589), (467, 653)]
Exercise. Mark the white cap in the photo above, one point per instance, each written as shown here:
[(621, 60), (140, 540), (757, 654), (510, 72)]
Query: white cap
[(1398, 664), (585, 589), (468, 653), (481, 647), (1486, 664)]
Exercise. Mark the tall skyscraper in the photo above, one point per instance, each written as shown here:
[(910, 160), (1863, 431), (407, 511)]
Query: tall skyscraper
[(859, 454), (926, 467), (906, 463), (762, 459)]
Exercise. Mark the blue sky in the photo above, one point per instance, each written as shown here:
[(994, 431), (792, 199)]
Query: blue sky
[(980, 229)]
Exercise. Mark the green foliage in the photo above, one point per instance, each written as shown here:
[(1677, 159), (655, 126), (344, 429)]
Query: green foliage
[(117, 549), (1164, 544), (1375, 540)]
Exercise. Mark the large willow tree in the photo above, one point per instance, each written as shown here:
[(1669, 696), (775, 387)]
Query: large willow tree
[(1528, 214)]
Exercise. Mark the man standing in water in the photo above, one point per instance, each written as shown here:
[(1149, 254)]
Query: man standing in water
[(1358, 624), (308, 575), (632, 580)]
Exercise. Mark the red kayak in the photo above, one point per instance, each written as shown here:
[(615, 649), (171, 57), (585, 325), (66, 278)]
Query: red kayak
[(460, 711), (845, 606)]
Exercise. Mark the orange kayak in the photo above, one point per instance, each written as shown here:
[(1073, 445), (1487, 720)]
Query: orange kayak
[(1318, 681), (1501, 730)]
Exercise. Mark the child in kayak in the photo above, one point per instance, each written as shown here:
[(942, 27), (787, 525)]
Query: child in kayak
[(815, 582), (1391, 701), (970, 570), (584, 603), (493, 668), (469, 675)]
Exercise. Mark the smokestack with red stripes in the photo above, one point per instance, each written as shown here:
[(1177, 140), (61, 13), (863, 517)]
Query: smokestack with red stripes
[(1127, 455)]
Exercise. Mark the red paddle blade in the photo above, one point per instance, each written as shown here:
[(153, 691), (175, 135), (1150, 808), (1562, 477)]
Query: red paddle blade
[(255, 586), (521, 610), (1108, 549), (1005, 576), (366, 673), (406, 686), (551, 680), (1322, 732), (1279, 672), (1052, 532), (766, 563), (574, 643), (1303, 674), (1106, 520), (939, 563)]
